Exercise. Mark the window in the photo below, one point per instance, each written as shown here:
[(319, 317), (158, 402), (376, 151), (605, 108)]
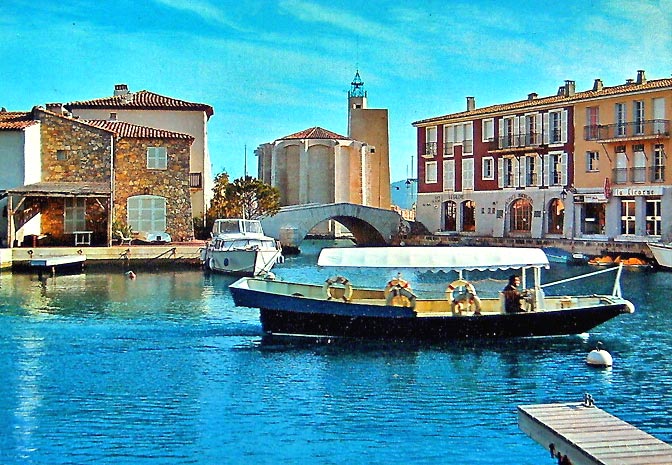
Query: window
[(555, 169), (469, 216), (508, 172), (621, 170), (592, 161), (638, 116), (639, 163), (488, 168), (448, 175), (628, 216), (157, 158), (532, 130), (521, 216), (449, 216), (488, 130), (146, 213), (467, 173), (555, 122), (531, 175), (61, 155), (556, 216), (593, 120), (658, 174), (506, 133), (594, 218), (653, 217), (448, 140), (430, 172), (74, 215), (468, 140), (621, 125)]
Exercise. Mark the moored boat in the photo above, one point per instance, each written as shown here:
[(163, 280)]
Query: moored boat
[(239, 247), (339, 309), (662, 253)]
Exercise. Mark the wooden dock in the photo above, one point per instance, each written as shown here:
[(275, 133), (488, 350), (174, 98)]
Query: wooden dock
[(582, 434)]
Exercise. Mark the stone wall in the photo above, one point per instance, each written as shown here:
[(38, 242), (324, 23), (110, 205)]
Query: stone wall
[(132, 177), (86, 151)]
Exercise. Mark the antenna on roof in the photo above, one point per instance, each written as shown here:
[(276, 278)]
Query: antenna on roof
[(245, 164)]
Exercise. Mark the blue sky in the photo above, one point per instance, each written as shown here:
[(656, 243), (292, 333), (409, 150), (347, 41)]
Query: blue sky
[(272, 68)]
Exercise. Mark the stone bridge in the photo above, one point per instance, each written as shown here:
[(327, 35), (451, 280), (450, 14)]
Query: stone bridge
[(370, 226)]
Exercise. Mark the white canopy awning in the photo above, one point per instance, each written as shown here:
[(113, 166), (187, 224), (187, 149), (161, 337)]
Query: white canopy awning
[(435, 258)]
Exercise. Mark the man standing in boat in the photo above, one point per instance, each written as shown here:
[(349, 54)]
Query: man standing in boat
[(512, 296)]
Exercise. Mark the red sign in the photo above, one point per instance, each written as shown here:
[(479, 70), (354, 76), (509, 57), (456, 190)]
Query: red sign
[(607, 188)]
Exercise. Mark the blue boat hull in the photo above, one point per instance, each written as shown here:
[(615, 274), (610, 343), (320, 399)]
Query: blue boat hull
[(296, 315)]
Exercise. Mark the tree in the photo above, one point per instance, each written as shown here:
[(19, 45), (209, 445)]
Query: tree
[(245, 197)]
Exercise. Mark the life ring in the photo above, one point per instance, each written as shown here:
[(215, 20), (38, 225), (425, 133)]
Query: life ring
[(398, 295), (342, 281), (470, 299), (396, 283)]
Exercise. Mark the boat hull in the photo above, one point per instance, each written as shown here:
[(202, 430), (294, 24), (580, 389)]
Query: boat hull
[(663, 254), (301, 316), (241, 262)]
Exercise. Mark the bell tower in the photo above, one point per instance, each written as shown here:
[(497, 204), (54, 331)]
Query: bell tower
[(370, 126)]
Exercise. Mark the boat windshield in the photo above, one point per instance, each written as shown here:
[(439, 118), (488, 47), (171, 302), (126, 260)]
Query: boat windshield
[(235, 226)]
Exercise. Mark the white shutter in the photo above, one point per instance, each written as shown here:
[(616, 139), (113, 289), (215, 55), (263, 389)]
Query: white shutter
[(563, 168), (449, 175), (538, 167), (500, 172), (516, 174), (501, 133), (563, 121), (523, 171), (547, 170), (545, 128), (537, 128)]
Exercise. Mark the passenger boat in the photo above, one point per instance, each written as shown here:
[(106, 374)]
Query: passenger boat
[(339, 309), (239, 247), (662, 253)]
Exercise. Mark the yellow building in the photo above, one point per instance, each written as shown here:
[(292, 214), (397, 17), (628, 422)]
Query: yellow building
[(622, 179)]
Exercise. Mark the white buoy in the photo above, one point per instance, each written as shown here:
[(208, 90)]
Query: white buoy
[(599, 357)]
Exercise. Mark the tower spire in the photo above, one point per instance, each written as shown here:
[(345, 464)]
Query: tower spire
[(357, 87)]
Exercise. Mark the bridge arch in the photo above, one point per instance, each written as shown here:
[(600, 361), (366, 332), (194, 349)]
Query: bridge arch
[(369, 225)]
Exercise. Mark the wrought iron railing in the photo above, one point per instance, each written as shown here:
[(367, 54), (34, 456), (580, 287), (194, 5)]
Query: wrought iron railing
[(430, 149), (654, 127), (195, 180)]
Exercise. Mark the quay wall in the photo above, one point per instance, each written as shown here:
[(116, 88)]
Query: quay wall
[(590, 248), (158, 256), (5, 258)]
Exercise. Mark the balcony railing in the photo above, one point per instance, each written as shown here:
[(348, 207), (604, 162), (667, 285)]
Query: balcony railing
[(655, 127), (520, 140), (640, 174), (430, 149)]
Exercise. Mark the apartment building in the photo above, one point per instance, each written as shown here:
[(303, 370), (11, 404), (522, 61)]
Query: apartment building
[(576, 165)]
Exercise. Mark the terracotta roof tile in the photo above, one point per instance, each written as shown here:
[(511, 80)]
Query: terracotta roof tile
[(554, 99), (15, 120), (141, 100), (124, 129), (315, 133)]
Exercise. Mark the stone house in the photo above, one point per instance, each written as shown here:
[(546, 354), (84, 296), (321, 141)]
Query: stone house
[(95, 173), (149, 109)]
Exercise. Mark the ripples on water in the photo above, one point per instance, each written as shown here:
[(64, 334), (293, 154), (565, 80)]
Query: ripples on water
[(97, 368)]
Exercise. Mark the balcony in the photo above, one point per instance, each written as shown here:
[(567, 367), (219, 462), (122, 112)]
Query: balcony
[(430, 150), (628, 131), (509, 141), (639, 175)]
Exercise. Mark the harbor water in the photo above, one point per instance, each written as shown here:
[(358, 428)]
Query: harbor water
[(164, 369)]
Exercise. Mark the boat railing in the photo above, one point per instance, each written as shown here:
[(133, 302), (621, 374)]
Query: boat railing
[(616, 292)]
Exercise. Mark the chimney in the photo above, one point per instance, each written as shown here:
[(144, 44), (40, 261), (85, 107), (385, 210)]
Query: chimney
[(570, 88), (561, 91), (471, 103), (598, 86), (55, 108), (120, 89), (532, 96), (641, 77), (629, 81)]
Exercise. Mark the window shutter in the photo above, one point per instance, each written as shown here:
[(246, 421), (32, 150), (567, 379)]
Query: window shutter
[(516, 172), (547, 170), (523, 171), (501, 133), (500, 172), (564, 125), (545, 128), (538, 167), (563, 168)]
